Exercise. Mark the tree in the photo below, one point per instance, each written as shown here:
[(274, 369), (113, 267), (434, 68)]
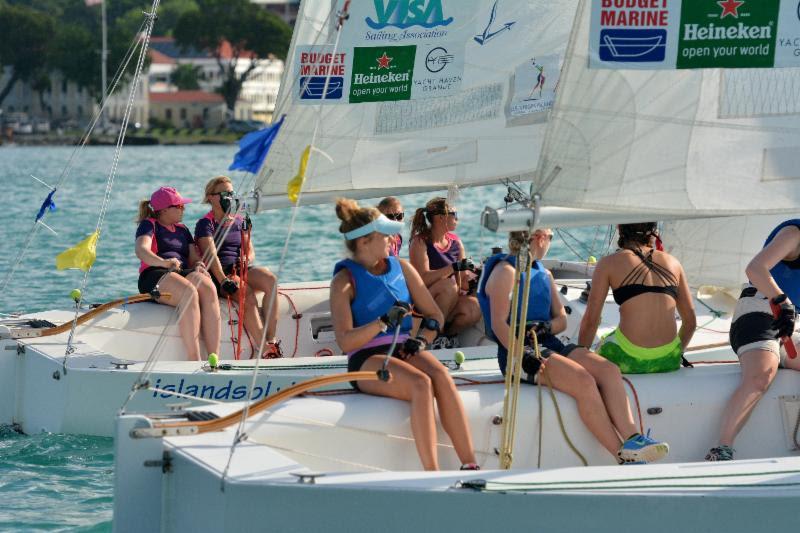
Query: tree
[(24, 44), (247, 27), (185, 77)]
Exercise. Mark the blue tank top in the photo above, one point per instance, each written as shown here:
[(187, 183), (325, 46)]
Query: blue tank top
[(787, 273), (376, 294), (538, 296)]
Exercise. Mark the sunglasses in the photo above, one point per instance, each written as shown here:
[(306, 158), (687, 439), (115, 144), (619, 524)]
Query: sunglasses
[(179, 206), (548, 235), (223, 193), (395, 216)]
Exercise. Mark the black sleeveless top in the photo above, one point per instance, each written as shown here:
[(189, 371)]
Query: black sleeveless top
[(633, 284)]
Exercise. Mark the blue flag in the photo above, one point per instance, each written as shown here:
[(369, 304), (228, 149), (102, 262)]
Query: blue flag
[(253, 148), (48, 203)]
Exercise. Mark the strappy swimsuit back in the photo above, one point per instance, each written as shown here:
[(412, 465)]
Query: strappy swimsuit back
[(633, 284)]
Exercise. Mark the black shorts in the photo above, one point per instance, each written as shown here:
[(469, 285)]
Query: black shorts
[(227, 270), (548, 345), (150, 277), (355, 361)]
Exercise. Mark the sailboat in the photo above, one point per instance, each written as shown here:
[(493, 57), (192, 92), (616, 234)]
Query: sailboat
[(688, 142)]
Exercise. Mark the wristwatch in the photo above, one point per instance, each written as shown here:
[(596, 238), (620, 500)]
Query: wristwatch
[(384, 326), (431, 324)]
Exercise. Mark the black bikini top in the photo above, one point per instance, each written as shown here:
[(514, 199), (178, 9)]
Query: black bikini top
[(633, 284)]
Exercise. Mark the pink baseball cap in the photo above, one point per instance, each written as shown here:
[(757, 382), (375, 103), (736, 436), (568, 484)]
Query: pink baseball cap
[(166, 197)]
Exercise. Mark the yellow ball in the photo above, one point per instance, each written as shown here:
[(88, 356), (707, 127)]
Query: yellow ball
[(75, 294), (592, 260), (459, 357), (213, 360)]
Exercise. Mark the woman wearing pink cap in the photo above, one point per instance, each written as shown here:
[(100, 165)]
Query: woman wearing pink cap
[(170, 262)]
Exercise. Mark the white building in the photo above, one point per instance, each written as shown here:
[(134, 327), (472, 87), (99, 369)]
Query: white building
[(63, 101)]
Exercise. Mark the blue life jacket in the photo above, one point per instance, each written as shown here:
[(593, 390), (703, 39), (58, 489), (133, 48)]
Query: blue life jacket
[(538, 296), (376, 294), (787, 273)]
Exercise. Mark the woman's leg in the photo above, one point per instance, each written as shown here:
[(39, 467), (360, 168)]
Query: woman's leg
[(571, 378), (445, 294), (261, 279), (251, 315), (466, 312), (209, 310), (409, 384), (451, 408), (759, 368), (609, 380), (183, 295)]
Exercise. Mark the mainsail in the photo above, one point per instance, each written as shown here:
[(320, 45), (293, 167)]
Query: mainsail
[(415, 96), (675, 143)]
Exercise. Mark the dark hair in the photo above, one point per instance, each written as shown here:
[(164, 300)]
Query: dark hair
[(424, 216), (387, 202), (636, 233), (353, 217)]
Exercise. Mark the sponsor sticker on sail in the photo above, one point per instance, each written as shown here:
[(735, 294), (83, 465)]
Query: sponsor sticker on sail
[(787, 45), (438, 70), (382, 73), (321, 74), (533, 86), (728, 34), (633, 33)]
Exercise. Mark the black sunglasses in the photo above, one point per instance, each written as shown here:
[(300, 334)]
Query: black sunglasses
[(395, 216)]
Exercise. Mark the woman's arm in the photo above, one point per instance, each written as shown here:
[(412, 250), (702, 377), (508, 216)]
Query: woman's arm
[(594, 306), (685, 306), (423, 301), (558, 322), (208, 249), (783, 246), (347, 337), (195, 261), (499, 287), (145, 254), (418, 254)]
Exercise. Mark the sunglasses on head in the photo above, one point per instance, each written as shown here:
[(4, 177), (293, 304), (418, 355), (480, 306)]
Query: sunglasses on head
[(395, 216)]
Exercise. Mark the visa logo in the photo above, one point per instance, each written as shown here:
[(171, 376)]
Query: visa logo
[(406, 13)]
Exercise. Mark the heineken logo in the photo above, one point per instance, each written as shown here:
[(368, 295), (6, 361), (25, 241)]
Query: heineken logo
[(730, 7), (728, 33), (404, 14), (382, 73)]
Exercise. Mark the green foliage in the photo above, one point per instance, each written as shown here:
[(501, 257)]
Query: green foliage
[(24, 44), (185, 77), (247, 27)]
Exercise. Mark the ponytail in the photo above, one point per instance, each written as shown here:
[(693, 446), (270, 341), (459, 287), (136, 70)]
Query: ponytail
[(419, 228), (145, 211), (638, 234), (353, 217)]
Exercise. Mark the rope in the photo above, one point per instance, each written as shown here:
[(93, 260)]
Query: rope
[(636, 400), (150, 21), (558, 410), (296, 317)]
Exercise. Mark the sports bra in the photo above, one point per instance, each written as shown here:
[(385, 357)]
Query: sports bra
[(633, 284)]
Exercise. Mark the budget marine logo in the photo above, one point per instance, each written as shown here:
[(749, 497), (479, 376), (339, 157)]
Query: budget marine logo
[(406, 13)]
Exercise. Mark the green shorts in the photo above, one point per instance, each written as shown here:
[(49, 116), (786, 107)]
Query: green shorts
[(632, 359)]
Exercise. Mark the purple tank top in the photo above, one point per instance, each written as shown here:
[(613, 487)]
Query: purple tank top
[(441, 258), (229, 249)]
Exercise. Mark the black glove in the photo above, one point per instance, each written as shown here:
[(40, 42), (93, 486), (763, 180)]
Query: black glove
[(540, 328), (228, 286), (411, 347), (464, 264), (530, 365), (786, 315), (395, 315)]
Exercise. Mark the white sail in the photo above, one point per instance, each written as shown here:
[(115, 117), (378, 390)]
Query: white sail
[(483, 79), (671, 142), (716, 251)]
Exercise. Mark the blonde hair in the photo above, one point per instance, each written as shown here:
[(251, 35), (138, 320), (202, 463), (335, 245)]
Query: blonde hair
[(145, 211), (212, 184), (517, 238), (353, 217)]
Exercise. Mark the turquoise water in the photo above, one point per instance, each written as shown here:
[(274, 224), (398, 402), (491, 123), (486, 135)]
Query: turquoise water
[(59, 482)]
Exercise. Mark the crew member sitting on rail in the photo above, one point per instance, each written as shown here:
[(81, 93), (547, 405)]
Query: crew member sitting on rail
[(170, 263), (764, 318), (594, 382), (371, 298), (649, 286), (441, 260), (222, 236)]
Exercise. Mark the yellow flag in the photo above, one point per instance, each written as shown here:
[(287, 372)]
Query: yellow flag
[(80, 256), (296, 183)]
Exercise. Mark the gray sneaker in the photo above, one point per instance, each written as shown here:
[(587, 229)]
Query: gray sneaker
[(720, 453)]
